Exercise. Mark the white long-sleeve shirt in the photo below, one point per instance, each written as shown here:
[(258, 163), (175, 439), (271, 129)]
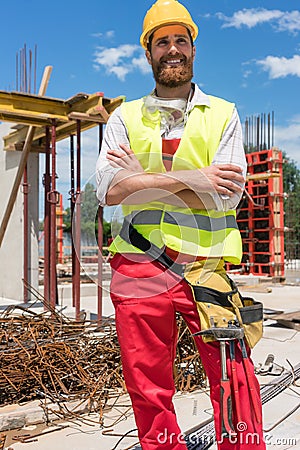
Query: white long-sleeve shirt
[(230, 150)]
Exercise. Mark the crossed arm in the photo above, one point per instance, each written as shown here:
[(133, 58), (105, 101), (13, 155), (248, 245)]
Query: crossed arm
[(190, 188)]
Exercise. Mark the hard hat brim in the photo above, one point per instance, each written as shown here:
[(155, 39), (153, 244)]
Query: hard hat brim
[(144, 39)]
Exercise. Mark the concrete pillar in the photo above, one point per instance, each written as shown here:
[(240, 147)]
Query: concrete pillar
[(11, 251)]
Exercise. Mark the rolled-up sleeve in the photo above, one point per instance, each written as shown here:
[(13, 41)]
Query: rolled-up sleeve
[(115, 134), (231, 151)]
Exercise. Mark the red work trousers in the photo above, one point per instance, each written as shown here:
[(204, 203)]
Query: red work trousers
[(146, 298)]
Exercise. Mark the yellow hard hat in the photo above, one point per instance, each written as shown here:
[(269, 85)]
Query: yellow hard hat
[(166, 12)]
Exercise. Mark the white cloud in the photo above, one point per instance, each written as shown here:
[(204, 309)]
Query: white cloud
[(247, 73), (120, 71), (121, 60), (280, 20), (289, 21), (142, 64), (249, 17), (280, 67), (112, 56), (108, 34), (287, 138)]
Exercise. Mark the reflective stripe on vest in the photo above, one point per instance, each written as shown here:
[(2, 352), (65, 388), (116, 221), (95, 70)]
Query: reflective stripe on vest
[(198, 221)]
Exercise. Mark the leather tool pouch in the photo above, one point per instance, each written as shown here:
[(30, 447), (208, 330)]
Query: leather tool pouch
[(218, 309)]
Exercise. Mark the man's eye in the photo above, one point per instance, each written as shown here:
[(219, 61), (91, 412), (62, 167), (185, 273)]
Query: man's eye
[(162, 42), (182, 41)]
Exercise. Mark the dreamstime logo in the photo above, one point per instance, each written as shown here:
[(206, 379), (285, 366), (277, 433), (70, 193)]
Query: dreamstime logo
[(241, 437), (241, 426), (275, 441)]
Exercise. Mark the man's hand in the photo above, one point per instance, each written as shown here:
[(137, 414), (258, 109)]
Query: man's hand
[(226, 179), (134, 186), (125, 159)]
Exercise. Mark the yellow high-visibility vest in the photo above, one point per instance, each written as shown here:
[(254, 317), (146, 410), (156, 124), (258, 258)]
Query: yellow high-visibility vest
[(207, 233)]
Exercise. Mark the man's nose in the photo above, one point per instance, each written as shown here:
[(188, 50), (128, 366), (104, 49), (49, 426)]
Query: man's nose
[(173, 48)]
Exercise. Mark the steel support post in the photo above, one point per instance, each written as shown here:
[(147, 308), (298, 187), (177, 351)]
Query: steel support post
[(100, 265), (100, 246), (59, 224), (77, 226), (53, 202), (72, 207), (47, 187), (25, 235)]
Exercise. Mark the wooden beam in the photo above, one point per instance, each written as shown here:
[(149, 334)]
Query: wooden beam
[(28, 118), (262, 176), (15, 139), (23, 161), (83, 116), (38, 110), (30, 102)]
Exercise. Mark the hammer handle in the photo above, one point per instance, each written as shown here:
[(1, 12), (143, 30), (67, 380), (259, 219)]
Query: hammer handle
[(226, 409), (235, 382)]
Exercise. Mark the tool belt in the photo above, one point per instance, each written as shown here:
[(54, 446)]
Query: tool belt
[(220, 309), (215, 308)]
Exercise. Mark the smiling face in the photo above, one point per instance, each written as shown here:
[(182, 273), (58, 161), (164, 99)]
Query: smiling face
[(171, 56)]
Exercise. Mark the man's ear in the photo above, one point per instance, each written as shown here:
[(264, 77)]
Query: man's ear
[(193, 52), (148, 56)]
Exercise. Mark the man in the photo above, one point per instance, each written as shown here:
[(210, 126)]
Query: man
[(175, 161)]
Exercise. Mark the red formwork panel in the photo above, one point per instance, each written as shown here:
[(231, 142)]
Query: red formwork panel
[(260, 216)]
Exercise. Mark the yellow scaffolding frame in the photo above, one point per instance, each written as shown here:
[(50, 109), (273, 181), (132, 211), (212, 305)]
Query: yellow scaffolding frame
[(33, 113), (39, 111)]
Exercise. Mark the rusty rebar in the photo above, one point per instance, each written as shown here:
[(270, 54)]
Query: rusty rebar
[(49, 356)]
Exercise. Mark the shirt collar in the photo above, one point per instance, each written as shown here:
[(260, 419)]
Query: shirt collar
[(199, 98)]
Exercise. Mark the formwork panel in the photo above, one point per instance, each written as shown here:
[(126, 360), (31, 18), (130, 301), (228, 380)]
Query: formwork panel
[(260, 216)]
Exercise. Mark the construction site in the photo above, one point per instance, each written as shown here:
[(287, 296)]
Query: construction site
[(61, 382)]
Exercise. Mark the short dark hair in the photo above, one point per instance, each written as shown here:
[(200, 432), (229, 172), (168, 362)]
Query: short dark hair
[(150, 39)]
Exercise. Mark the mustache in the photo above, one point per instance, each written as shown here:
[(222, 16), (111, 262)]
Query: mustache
[(167, 58)]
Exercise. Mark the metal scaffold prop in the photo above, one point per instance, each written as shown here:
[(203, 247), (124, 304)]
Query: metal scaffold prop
[(40, 122)]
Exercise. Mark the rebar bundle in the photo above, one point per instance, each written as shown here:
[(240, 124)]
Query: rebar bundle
[(188, 370), (53, 357), (50, 356)]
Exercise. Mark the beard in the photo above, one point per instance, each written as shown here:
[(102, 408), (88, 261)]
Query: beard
[(172, 77)]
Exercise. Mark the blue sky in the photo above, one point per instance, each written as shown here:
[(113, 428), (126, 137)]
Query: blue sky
[(247, 52)]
